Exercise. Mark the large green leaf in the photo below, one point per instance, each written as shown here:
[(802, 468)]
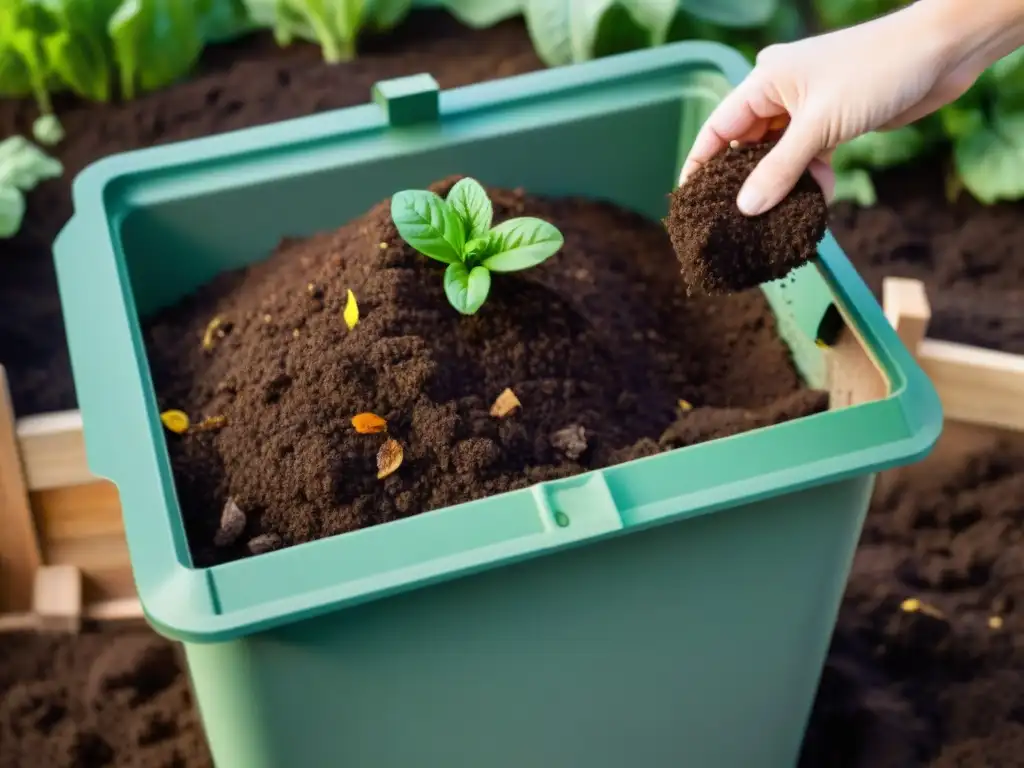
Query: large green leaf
[(845, 13), (22, 166), (655, 16), (155, 43), (618, 31), (855, 185), (1008, 79), (732, 13), (563, 31), (383, 15), (990, 161), (881, 149), (483, 13)]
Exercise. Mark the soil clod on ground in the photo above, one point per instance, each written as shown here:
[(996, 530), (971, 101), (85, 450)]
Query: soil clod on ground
[(723, 251), (595, 345)]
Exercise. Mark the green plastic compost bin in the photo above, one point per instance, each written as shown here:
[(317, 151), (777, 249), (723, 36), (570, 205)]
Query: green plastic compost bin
[(672, 611)]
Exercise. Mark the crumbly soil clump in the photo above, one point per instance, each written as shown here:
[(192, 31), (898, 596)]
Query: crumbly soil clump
[(599, 344), (720, 249)]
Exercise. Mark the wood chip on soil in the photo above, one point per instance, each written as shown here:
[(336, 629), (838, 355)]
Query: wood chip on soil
[(505, 404), (389, 458)]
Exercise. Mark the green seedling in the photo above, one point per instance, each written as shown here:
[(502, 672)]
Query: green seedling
[(457, 231)]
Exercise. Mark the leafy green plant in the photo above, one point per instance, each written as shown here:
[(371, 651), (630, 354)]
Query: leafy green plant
[(569, 31), (334, 24), (83, 46), (984, 128), (22, 166), (457, 231)]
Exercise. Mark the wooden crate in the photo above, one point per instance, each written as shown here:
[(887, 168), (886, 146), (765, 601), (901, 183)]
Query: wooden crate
[(61, 536)]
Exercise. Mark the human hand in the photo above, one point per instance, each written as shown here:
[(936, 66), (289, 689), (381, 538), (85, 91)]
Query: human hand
[(825, 90)]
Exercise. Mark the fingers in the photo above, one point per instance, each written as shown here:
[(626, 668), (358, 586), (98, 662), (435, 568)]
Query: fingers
[(741, 116), (824, 175), (777, 174)]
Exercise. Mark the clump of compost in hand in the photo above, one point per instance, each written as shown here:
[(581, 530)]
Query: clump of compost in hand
[(724, 251)]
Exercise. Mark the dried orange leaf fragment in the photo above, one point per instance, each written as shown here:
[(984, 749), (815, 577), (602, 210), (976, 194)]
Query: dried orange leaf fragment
[(351, 313), (369, 424), (389, 458), (175, 421), (211, 423), (212, 333), (505, 404), (913, 605)]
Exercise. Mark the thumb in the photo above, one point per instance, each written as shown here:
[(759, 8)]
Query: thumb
[(779, 170)]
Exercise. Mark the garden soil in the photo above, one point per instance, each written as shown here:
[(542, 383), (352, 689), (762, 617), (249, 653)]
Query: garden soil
[(940, 688), (596, 345)]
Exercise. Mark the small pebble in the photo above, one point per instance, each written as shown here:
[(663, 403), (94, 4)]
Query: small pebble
[(266, 542), (572, 441), (232, 523)]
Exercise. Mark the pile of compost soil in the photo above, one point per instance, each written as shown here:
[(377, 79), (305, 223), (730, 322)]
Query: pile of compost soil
[(116, 698), (245, 83), (723, 251), (595, 343)]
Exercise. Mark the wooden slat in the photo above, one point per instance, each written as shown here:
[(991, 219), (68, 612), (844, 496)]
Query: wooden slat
[(20, 554), (53, 450), (975, 385)]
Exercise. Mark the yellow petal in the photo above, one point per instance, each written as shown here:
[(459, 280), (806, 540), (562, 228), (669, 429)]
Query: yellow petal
[(685, 405), (351, 313), (176, 421)]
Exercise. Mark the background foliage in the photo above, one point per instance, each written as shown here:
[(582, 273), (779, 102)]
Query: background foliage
[(105, 49)]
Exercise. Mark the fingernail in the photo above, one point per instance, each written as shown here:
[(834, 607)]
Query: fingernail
[(750, 201)]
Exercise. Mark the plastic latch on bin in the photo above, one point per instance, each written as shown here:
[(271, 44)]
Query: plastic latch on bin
[(593, 509), (412, 100)]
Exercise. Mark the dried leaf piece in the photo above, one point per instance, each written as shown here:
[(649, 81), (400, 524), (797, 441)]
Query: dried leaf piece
[(351, 313), (232, 523), (369, 424), (265, 542), (685, 405), (505, 404), (211, 423), (913, 605), (175, 421), (389, 458), (995, 622), (213, 332)]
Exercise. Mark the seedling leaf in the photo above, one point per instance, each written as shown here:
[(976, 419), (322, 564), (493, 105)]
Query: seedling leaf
[(466, 289), (522, 243), (369, 424), (389, 458), (470, 202), (428, 224), (351, 312)]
